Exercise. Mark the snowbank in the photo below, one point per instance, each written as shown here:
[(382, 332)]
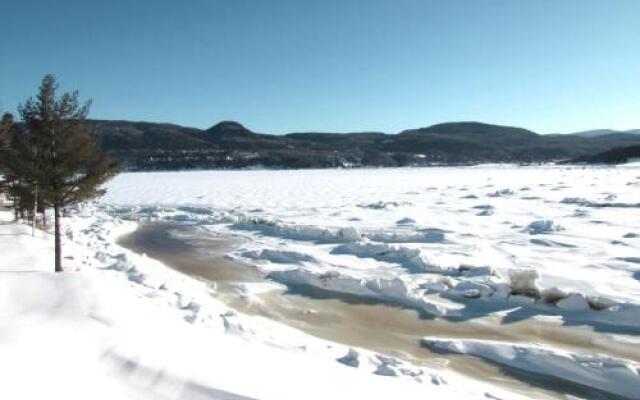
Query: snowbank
[(394, 236), (611, 375), (394, 291), (299, 232), (411, 259)]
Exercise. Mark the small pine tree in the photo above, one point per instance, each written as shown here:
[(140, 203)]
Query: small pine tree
[(66, 164)]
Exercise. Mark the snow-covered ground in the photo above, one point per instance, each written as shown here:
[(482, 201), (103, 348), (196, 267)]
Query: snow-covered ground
[(117, 325), (555, 244)]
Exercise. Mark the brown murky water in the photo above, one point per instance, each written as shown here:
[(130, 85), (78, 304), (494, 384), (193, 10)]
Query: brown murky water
[(383, 328)]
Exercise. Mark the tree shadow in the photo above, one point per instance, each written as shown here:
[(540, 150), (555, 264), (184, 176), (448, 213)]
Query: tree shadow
[(157, 380)]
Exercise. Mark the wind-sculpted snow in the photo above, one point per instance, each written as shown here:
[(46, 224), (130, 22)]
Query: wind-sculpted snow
[(610, 375)]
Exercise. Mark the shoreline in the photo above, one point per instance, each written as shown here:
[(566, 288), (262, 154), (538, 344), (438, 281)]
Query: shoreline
[(331, 318)]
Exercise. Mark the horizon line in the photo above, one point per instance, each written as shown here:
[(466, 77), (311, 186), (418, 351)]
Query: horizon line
[(630, 130)]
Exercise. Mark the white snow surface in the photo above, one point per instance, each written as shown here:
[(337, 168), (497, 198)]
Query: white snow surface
[(574, 227), (620, 377), (560, 241), (117, 325)]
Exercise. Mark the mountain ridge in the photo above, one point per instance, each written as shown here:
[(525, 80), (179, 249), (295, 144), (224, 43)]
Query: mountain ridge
[(229, 144)]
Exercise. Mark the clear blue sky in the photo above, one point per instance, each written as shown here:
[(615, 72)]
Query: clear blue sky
[(334, 65)]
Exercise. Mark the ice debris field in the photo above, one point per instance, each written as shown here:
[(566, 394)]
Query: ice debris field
[(564, 241), (559, 246)]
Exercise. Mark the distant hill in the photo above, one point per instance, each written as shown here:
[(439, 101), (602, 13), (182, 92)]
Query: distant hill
[(602, 132), (228, 128), (229, 144), (617, 155)]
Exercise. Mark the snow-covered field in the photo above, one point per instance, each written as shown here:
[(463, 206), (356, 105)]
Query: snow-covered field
[(558, 246)]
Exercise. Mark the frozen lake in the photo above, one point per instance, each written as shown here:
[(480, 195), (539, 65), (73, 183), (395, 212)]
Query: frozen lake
[(451, 216), (547, 259)]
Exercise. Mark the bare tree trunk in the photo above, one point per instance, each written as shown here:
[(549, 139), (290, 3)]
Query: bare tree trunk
[(14, 199), (16, 209), (58, 247), (35, 212)]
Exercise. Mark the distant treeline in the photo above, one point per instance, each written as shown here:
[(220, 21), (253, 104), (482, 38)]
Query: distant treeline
[(155, 146), (618, 155)]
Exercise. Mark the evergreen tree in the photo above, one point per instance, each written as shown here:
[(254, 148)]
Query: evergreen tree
[(20, 163), (5, 126), (63, 164)]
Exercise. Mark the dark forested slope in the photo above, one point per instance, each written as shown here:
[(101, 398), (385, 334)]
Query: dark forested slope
[(228, 144)]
